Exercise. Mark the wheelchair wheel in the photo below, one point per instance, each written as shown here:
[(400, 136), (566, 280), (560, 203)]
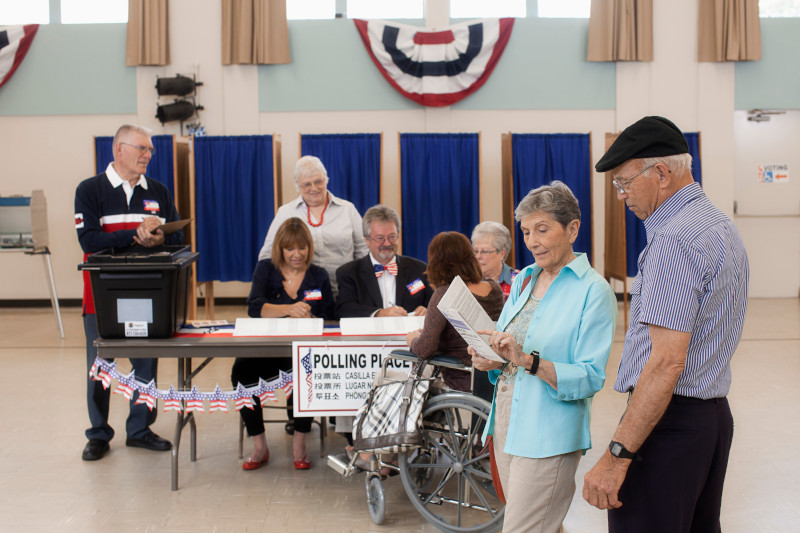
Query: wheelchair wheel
[(376, 501), (447, 479)]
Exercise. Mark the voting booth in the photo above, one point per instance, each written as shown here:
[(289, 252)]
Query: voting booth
[(140, 292)]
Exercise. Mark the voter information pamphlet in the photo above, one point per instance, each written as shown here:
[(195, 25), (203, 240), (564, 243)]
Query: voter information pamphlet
[(465, 314)]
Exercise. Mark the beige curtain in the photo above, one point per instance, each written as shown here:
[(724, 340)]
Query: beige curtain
[(621, 30), (148, 33), (728, 30), (254, 32)]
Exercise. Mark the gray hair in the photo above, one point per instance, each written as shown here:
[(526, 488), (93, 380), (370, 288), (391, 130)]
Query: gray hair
[(679, 164), (498, 233), (380, 213), (555, 199), (306, 166), (127, 129)]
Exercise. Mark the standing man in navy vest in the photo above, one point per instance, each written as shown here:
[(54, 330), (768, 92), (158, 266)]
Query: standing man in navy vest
[(115, 209), (665, 466)]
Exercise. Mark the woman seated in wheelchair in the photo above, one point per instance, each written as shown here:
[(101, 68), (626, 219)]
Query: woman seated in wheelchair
[(286, 285), (450, 254), (555, 334)]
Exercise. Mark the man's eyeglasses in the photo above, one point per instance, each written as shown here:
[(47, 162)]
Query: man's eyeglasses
[(485, 252), (621, 185), (317, 183), (141, 149), (381, 238)]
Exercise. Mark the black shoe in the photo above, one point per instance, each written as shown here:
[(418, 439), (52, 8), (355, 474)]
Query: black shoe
[(150, 441), (95, 449)]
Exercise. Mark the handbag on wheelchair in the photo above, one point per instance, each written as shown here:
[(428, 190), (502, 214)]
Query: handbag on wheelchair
[(391, 418)]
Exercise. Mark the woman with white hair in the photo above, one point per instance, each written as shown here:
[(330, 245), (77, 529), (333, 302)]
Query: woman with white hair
[(491, 242), (334, 223)]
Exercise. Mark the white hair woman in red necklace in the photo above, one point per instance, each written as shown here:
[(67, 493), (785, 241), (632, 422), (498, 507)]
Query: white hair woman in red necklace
[(334, 223)]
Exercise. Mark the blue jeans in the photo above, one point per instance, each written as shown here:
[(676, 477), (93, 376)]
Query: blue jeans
[(97, 398)]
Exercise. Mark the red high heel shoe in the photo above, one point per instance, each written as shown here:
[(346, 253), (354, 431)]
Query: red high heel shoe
[(255, 465), (303, 464)]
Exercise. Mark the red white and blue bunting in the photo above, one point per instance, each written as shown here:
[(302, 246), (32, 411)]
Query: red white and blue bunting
[(14, 44), (192, 400), (436, 68)]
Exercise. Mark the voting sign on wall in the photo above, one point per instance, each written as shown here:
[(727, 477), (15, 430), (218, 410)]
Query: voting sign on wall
[(334, 378)]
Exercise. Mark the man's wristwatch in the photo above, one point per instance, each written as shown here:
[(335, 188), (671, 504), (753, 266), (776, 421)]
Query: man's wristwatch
[(618, 450)]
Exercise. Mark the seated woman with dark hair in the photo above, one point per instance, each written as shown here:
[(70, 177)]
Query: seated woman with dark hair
[(450, 254), (287, 285)]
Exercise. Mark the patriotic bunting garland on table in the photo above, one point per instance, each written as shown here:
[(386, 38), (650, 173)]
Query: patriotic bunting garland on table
[(194, 399), (436, 68), (14, 44)]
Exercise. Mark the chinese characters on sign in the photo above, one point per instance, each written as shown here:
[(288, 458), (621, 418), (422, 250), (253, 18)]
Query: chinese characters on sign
[(334, 378)]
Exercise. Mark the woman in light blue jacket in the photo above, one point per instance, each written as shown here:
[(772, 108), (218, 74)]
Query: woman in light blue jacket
[(555, 334)]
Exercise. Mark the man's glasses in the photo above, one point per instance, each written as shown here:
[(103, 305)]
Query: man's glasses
[(621, 185), (317, 183), (141, 149), (485, 252), (381, 238)]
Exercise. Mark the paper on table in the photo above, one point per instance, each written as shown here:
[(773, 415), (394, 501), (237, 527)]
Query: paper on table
[(172, 227), (465, 314), (383, 325), (277, 327)]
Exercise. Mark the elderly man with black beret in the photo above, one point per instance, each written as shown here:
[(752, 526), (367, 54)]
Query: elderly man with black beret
[(665, 466)]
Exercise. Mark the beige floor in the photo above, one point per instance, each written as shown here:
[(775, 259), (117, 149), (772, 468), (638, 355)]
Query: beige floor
[(45, 486)]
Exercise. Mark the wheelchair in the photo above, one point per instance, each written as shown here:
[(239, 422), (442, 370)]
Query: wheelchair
[(448, 476)]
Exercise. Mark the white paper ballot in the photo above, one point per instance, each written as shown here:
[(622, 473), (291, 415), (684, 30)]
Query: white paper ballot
[(277, 327), (382, 325), (465, 314)]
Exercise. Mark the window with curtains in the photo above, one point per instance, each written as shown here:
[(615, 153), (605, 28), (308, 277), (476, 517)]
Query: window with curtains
[(538, 159), (27, 12), (482, 8), (160, 167), (94, 11), (310, 9), (440, 187), (234, 198), (578, 9), (353, 162), (778, 8)]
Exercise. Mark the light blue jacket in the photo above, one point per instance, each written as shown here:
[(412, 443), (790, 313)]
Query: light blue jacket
[(573, 327)]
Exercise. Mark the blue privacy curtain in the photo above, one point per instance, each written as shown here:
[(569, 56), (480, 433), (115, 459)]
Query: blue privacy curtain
[(160, 168), (635, 235), (538, 159), (234, 204), (353, 162), (439, 175)]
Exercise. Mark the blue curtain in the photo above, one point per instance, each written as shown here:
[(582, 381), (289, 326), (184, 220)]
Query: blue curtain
[(353, 162), (538, 159), (234, 204), (635, 235), (439, 175), (161, 165)]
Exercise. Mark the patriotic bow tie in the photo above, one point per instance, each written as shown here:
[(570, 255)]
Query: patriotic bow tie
[(391, 268)]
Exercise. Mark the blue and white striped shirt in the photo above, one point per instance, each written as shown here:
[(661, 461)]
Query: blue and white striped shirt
[(692, 277)]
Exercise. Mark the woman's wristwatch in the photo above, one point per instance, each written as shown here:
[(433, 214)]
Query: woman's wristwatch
[(534, 365)]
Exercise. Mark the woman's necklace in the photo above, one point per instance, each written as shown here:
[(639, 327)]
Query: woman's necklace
[(321, 215)]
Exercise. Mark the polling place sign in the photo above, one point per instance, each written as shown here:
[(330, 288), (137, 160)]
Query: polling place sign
[(334, 378)]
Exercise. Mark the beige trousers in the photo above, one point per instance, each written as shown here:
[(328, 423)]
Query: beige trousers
[(538, 491)]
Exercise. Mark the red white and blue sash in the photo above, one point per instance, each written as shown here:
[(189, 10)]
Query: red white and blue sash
[(436, 68)]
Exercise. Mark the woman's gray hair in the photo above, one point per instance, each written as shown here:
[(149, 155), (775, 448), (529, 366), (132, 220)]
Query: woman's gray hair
[(306, 166), (380, 213), (498, 233), (555, 199), (678, 164)]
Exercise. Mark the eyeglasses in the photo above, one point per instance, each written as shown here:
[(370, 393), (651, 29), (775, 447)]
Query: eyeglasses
[(381, 238), (621, 185), (485, 252), (141, 149), (317, 183)]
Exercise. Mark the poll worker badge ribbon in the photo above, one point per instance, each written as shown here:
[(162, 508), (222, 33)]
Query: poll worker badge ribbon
[(436, 68), (14, 44)]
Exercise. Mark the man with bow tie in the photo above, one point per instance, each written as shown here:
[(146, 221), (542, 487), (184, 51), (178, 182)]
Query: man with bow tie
[(382, 283)]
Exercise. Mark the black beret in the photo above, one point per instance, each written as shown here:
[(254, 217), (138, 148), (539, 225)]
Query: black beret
[(648, 137)]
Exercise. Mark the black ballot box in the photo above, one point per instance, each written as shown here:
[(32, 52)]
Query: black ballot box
[(140, 292)]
